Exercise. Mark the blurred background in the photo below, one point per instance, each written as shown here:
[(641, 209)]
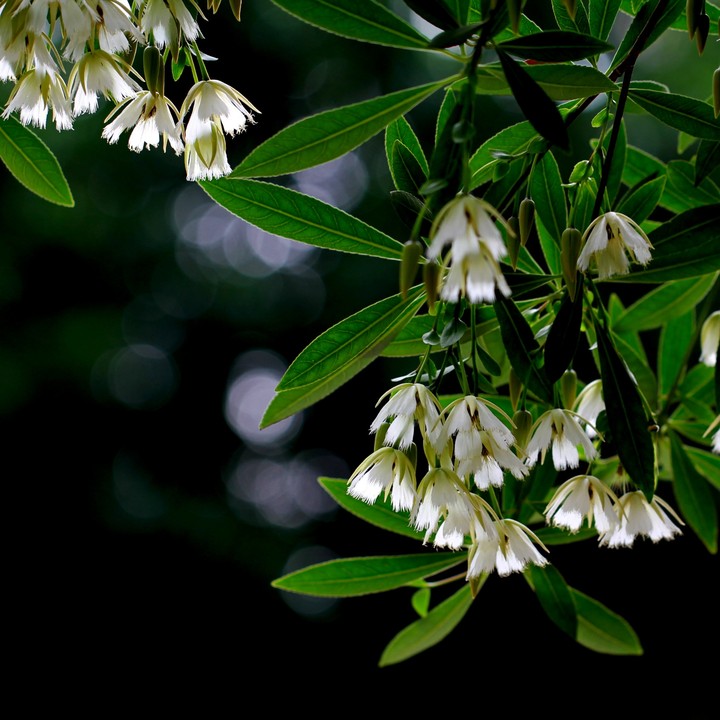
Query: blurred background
[(143, 333)]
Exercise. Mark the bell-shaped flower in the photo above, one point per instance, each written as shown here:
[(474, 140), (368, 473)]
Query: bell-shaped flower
[(442, 494), (480, 456), (583, 497), (114, 25), (387, 472), (167, 21), (557, 429), (710, 339), (588, 406), (608, 241), (641, 518), (476, 247), (35, 93)]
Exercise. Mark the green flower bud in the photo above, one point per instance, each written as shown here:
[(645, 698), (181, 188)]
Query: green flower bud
[(412, 250), (716, 91), (702, 32), (693, 10), (154, 69), (515, 11), (380, 435), (513, 241), (431, 280), (570, 245), (568, 388), (523, 421), (526, 219), (236, 7), (515, 387), (581, 171)]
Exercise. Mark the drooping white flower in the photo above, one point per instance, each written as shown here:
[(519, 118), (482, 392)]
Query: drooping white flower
[(476, 247), (35, 93), (710, 339), (387, 472), (640, 518), (14, 43), (558, 429), (99, 73), (589, 404), (715, 447), (166, 20), (78, 22), (409, 402), (114, 25), (480, 455), (469, 414), (441, 493), (608, 240), (510, 549), (583, 497), (149, 117)]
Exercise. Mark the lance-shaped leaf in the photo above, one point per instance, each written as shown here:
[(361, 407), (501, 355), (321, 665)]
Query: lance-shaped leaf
[(32, 163), (680, 112), (580, 23), (538, 108), (367, 21), (684, 247), (522, 348), (564, 335), (339, 354), (429, 630), (707, 159), (400, 130), (380, 514), (602, 630), (297, 216), (673, 346), (627, 417), (328, 135), (694, 497), (407, 173), (350, 577), (555, 46), (547, 191), (440, 14), (602, 14), (643, 199), (682, 192), (554, 596), (706, 463)]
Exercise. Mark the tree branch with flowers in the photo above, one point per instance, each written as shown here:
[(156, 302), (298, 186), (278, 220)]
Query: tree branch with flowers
[(494, 444)]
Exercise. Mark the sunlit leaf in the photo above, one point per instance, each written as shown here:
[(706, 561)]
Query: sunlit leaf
[(408, 342), (643, 199), (602, 17), (706, 463), (407, 173), (429, 630), (339, 353), (350, 577), (367, 21), (291, 214), (32, 163), (328, 135), (555, 46), (554, 596), (421, 601), (400, 130), (602, 630), (694, 497)]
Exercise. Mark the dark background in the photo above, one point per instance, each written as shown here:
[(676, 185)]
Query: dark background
[(145, 528)]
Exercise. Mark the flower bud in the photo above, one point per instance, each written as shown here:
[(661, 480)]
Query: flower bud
[(526, 219), (522, 420), (515, 387), (515, 11), (702, 32), (513, 241), (236, 7), (409, 265), (693, 10), (716, 91), (154, 70), (431, 280), (568, 388), (570, 244), (380, 435)]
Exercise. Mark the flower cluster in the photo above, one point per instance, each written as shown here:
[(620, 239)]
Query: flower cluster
[(65, 55)]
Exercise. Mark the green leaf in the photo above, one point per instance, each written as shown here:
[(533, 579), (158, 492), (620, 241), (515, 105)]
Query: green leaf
[(381, 514), (557, 536), (429, 630), (32, 163), (694, 497), (328, 135), (421, 601), (675, 338), (682, 192), (400, 130), (538, 108), (554, 596), (602, 17), (350, 577), (547, 191), (634, 356), (670, 300), (685, 247), (367, 21), (626, 415), (438, 13), (602, 630), (680, 112), (406, 171), (641, 165), (564, 335), (707, 160), (293, 215), (408, 342), (643, 199), (706, 463), (565, 22), (339, 353), (555, 46)]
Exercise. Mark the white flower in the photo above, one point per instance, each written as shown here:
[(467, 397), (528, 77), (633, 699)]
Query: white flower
[(37, 91), (589, 404), (510, 549), (409, 402), (582, 497), (710, 339), (114, 22), (150, 117), (469, 414), (387, 471), (78, 22), (476, 248), (560, 430), (14, 43), (716, 442), (638, 517), (99, 72), (166, 19), (206, 154), (607, 240), (480, 455)]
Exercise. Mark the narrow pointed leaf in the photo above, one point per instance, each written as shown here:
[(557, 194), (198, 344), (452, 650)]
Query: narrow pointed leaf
[(429, 630), (673, 346), (564, 335), (580, 23), (626, 415), (683, 192), (640, 203), (555, 46), (547, 191), (406, 171), (437, 13), (380, 514), (602, 17), (694, 497), (367, 21), (602, 630), (680, 112), (636, 360), (538, 108), (555, 597), (294, 215), (339, 353), (706, 463), (557, 536), (350, 577), (707, 160), (400, 130), (32, 163), (328, 135)]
